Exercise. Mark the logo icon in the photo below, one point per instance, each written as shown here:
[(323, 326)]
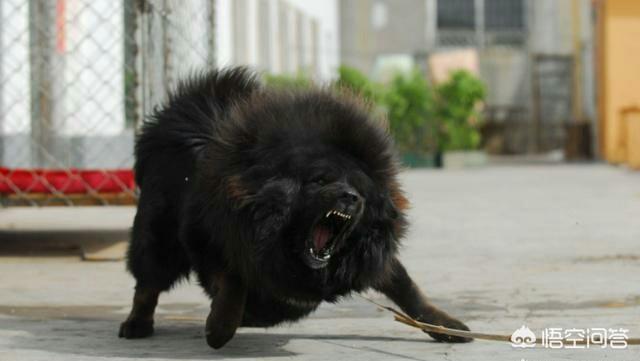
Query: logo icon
[(523, 338)]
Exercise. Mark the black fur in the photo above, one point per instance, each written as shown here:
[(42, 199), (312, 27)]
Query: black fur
[(234, 178)]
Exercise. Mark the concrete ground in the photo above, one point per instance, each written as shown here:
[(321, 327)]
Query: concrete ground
[(499, 247)]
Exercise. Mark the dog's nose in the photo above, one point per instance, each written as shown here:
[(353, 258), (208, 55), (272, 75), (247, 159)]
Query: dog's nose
[(350, 196)]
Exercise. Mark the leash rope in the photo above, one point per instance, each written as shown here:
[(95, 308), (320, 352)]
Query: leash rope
[(407, 320)]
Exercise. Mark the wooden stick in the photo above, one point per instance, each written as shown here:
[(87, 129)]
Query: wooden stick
[(405, 319)]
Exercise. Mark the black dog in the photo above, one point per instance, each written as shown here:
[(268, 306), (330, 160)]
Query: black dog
[(277, 200)]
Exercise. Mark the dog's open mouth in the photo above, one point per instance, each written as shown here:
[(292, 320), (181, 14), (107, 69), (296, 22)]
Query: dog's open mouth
[(325, 233)]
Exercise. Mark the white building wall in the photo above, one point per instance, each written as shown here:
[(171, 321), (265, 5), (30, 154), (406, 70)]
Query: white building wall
[(275, 62), (326, 13), (290, 47), (224, 35), (292, 39), (252, 32)]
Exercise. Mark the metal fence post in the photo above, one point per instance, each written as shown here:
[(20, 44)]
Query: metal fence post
[(152, 65), (42, 43), (1, 87)]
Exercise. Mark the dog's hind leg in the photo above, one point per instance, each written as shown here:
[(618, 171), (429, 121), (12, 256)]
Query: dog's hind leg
[(156, 260), (139, 324)]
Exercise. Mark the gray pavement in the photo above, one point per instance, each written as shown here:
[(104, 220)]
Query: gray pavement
[(499, 247)]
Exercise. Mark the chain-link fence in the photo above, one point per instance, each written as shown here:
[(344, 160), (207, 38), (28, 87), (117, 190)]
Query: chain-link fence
[(76, 77)]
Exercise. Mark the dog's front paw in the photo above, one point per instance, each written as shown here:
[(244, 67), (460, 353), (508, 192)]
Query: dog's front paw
[(134, 328), (218, 335), (449, 323)]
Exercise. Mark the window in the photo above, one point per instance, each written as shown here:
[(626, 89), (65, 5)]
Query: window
[(480, 22), (503, 15), (456, 14)]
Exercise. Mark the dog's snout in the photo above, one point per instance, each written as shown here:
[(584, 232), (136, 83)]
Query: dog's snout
[(350, 196)]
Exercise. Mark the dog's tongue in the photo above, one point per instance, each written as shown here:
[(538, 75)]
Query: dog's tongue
[(320, 237)]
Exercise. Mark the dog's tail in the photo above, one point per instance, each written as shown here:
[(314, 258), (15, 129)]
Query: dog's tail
[(178, 130)]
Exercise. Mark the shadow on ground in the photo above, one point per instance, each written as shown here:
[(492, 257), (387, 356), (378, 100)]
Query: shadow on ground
[(97, 337)]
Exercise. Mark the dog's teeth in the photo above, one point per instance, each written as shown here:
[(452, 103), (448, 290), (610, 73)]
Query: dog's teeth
[(338, 213)]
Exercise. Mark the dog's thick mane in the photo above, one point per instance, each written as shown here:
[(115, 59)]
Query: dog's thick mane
[(323, 117)]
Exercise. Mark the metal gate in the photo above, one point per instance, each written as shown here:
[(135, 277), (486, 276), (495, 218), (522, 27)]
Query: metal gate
[(552, 100)]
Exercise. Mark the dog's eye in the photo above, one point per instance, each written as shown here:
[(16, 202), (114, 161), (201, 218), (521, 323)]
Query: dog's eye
[(319, 180)]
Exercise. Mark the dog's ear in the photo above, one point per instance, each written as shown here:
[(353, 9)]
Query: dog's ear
[(237, 190), (396, 205), (399, 201)]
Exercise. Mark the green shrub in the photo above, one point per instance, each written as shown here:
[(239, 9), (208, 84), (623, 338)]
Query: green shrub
[(408, 101), (356, 81), (457, 112)]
